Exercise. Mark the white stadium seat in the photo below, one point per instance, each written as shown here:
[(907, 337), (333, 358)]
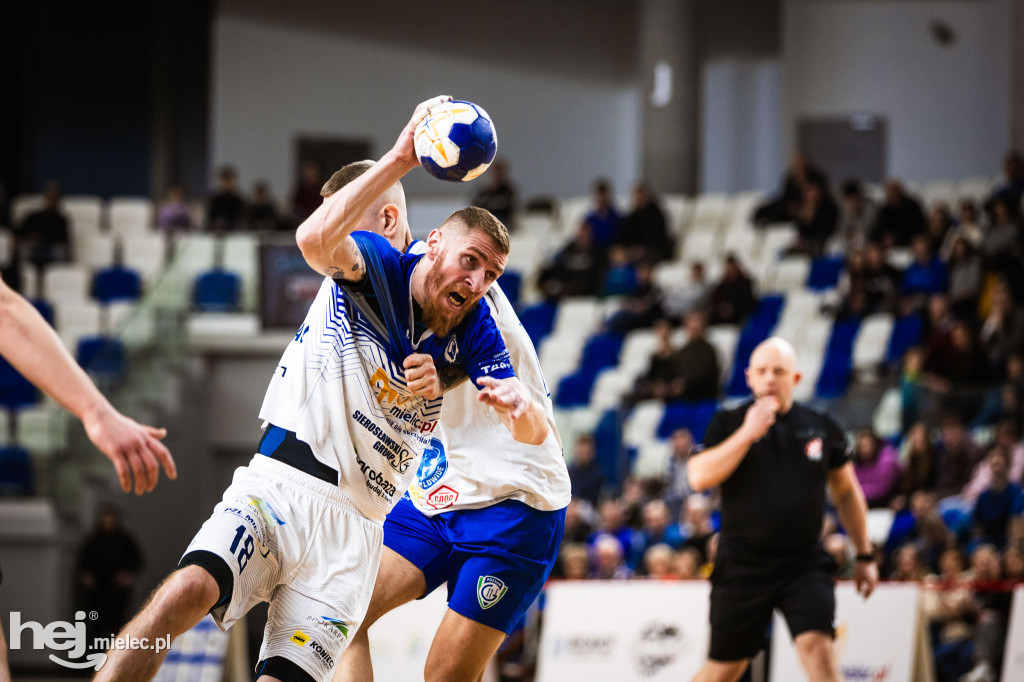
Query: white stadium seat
[(789, 274), (711, 212), (76, 319), (84, 212), (22, 205), (610, 388), (577, 317), (678, 210), (64, 281), (652, 460), (724, 338), (872, 342), (637, 349), (94, 250), (641, 425), (131, 216), (144, 253), (559, 357), (699, 245)]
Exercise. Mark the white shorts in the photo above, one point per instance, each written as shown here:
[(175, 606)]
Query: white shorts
[(295, 541)]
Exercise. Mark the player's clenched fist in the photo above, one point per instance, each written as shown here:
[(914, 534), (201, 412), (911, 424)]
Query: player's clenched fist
[(421, 376), (760, 416)]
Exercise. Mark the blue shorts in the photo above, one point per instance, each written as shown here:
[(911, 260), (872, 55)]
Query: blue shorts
[(495, 559)]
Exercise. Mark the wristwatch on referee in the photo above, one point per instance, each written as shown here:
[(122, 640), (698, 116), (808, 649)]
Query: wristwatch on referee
[(864, 557)]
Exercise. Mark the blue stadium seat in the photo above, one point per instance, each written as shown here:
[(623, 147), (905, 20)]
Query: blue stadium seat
[(45, 309), (217, 291), (538, 320), (835, 373), (906, 333), (694, 416), (601, 351), (117, 283), (103, 357), (15, 390), (16, 478), (607, 441), (825, 272), (511, 282), (575, 389)]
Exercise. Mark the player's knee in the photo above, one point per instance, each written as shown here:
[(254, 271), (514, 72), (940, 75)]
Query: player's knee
[(819, 659), (191, 588)]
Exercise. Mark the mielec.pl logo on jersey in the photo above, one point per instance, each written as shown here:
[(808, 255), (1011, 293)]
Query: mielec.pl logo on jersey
[(71, 637)]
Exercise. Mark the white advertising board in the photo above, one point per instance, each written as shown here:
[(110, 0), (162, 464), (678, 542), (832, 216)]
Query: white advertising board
[(400, 640), (874, 638), (608, 631), (1013, 660)]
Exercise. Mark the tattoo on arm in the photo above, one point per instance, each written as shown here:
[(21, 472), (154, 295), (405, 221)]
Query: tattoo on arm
[(334, 273)]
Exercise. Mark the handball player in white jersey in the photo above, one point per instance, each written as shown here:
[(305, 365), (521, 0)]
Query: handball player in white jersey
[(485, 514), (350, 411)]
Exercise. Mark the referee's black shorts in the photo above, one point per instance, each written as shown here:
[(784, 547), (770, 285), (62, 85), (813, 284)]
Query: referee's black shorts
[(745, 590)]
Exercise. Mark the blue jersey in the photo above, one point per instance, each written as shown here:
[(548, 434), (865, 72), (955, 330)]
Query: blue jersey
[(341, 388)]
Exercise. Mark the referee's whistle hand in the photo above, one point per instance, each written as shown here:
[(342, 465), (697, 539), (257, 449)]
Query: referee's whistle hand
[(760, 416)]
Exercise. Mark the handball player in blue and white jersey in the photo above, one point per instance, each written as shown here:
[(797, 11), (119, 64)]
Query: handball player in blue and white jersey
[(351, 408), (485, 513)]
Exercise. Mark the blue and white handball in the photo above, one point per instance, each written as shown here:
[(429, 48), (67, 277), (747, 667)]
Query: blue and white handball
[(456, 141)]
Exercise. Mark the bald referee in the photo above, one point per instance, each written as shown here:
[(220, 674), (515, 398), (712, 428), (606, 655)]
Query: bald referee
[(774, 459)]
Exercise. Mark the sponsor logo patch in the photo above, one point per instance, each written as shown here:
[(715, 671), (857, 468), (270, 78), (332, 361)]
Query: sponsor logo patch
[(433, 465), (300, 638), (451, 351), (489, 591), (813, 449), (442, 497)]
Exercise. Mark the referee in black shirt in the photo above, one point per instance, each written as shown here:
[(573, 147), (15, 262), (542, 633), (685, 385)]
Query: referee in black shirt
[(773, 459)]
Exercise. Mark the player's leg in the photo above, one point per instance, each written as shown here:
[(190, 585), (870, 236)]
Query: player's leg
[(461, 649), (501, 558), (180, 602), (398, 582), (809, 606), (817, 656), (721, 671)]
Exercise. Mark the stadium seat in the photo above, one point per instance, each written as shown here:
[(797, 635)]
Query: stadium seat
[(939, 192), (536, 224), (789, 274), (871, 345), (131, 216), (76, 319), (642, 423), (511, 283), (22, 205), (6, 247), (879, 523), (103, 357), (699, 245), (538, 320), (652, 460), (724, 338), (16, 477), (117, 283), (608, 446), (144, 253), (64, 282), (744, 241), (15, 390), (601, 351), (694, 416), (777, 238), (711, 211), (559, 357), (42, 428), (835, 373), (241, 256), (906, 332), (610, 388), (976, 189), (84, 212), (574, 389), (899, 258), (678, 211), (637, 349), (217, 291), (577, 317), (825, 273), (571, 212), (94, 250)]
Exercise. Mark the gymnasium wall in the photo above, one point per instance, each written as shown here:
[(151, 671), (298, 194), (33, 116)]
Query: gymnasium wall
[(948, 107), (271, 83)]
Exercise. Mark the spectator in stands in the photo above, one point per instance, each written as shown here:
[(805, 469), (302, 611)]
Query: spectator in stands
[(938, 335), (1013, 564), (1003, 330), (575, 562), (900, 218), (697, 524), (854, 302), (577, 270), (732, 299), (608, 562), (644, 231), (109, 562), (956, 457), (784, 207), (225, 208), (632, 501), (816, 219), (307, 197), (919, 468), (966, 381), (921, 525), (663, 378), (44, 234), (949, 606), (692, 296), (687, 563), (658, 563), (940, 222), (925, 275), (997, 503), (698, 362), (262, 213), (584, 472), (498, 195), (604, 219), (1015, 532), (1011, 189), (658, 528), (966, 278), (908, 565), (992, 603), (1002, 239), (882, 280), (620, 279), (967, 227), (677, 485), (612, 523), (877, 467), (579, 521), (1008, 438), (857, 217), (174, 215), (641, 308)]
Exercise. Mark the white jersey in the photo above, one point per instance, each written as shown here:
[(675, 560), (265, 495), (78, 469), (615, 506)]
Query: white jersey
[(341, 389), (481, 463)]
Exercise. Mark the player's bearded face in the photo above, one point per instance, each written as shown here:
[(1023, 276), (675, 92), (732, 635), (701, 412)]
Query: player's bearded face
[(448, 298)]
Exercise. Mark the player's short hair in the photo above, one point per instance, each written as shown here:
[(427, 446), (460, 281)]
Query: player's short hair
[(475, 218), (347, 174)]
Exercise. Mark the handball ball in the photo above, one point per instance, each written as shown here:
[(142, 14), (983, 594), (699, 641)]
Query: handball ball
[(456, 141)]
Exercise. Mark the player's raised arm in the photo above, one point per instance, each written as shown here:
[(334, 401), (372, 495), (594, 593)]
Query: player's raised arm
[(521, 415), (324, 238)]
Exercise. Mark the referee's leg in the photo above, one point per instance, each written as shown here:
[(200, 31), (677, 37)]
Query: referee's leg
[(722, 671), (817, 656)]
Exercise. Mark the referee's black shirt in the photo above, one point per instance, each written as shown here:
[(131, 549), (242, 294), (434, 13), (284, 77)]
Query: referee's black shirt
[(774, 502)]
